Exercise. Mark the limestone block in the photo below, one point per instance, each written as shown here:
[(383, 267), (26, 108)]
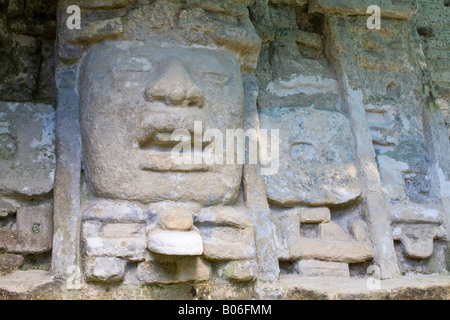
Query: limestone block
[(177, 243), (153, 272), (228, 243), (338, 251), (32, 232), (233, 8), (310, 40), (417, 239), (6, 209), (359, 230), (131, 248), (315, 215), (113, 211), (34, 226), (287, 227), (176, 220), (332, 231), (93, 31), (294, 3), (241, 270), (27, 148), (390, 9), (178, 270), (193, 269), (105, 269), (10, 261), (409, 212), (224, 216), (316, 157), (103, 4), (228, 233), (112, 230), (317, 268), (118, 230), (391, 174)]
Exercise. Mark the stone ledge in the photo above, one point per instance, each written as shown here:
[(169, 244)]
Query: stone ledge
[(28, 285), (36, 284), (410, 287), (402, 11)]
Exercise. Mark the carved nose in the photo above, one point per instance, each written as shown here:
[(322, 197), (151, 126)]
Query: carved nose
[(173, 85)]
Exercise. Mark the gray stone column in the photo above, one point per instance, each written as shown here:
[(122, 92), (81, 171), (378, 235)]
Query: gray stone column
[(67, 198), (256, 198)]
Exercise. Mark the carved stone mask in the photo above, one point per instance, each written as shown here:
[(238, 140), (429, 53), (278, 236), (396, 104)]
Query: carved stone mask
[(133, 96)]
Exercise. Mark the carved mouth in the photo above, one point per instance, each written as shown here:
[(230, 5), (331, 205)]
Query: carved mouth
[(157, 146), (162, 141)]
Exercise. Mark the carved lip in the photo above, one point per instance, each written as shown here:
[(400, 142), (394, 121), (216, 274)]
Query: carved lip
[(157, 144)]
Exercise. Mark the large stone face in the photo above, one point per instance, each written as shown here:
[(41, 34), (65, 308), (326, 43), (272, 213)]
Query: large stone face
[(316, 157), (133, 96)]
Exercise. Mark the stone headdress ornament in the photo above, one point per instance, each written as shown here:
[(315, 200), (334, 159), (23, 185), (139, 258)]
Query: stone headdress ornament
[(222, 24)]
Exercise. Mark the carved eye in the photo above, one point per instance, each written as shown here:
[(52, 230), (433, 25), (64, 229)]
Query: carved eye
[(216, 78), (135, 65)]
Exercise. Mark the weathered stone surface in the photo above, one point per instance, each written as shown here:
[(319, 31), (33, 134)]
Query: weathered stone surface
[(396, 10), (382, 90), (112, 230), (94, 31), (108, 211), (224, 216), (288, 234), (289, 2), (131, 248), (241, 270), (233, 8), (67, 191), (105, 269), (309, 39), (46, 86), (228, 243), (417, 239), (20, 55), (179, 270), (10, 261), (122, 230), (35, 226), (406, 212), (103, 4), (154, 272), (6, 209), (193, 269), (32, 232), (178, 220), (200, 23), (359, 230), (332, 231), (316, 166), (391, 174), (314, 215), (27, 148), (317, 268), (176, 243), (329, 250), (227, 232), (254, 192)]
